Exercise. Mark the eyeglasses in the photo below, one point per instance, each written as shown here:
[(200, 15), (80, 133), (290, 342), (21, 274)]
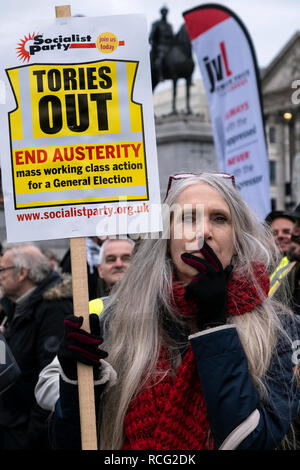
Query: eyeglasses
[(5, 269), (181, 176)]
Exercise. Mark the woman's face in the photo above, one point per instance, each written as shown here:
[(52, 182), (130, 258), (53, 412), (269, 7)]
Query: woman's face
[(203, 215)]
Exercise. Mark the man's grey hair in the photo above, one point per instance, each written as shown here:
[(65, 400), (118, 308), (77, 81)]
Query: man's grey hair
[(110, 240), (29, 256)]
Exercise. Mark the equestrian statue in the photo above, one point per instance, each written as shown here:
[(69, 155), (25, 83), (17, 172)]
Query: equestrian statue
[(171, 57)]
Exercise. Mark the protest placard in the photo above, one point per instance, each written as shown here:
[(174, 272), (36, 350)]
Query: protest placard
[(77, 129)]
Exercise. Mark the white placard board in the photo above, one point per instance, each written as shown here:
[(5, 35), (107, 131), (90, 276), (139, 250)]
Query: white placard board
[(78, 145)]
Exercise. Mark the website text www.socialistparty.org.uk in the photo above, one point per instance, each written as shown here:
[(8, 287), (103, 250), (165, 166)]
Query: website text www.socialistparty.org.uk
[(185, 222), (83, 212)]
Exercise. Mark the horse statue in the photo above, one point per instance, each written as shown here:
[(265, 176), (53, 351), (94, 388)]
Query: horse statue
[(177, 63)]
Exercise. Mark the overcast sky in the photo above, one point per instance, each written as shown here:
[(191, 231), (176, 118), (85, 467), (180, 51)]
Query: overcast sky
[(271, 23)]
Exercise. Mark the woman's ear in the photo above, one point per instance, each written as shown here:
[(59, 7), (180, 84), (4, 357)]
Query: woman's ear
[(235, 251), (168, 248), (233, 258)]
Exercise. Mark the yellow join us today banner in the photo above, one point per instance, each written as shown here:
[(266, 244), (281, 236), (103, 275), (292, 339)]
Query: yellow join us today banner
[(91, 101)]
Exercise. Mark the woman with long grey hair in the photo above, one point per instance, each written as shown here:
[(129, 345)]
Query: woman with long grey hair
[(203, 357)]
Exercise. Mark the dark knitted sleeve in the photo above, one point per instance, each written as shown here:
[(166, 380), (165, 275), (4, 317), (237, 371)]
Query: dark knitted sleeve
[(65, 431)]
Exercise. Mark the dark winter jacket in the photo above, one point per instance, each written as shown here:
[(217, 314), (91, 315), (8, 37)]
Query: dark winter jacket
[(238, 418), (33, 334)]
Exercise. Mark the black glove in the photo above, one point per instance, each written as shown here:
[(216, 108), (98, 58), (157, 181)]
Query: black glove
[(208, 288), (80, 346)]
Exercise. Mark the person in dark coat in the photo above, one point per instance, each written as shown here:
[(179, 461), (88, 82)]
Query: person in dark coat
[(36, 301), (288, 271), (294, 255), (202, 356), (290, 275)]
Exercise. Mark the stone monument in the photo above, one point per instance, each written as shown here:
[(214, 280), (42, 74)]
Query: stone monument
[(183, 129), (171, 56)]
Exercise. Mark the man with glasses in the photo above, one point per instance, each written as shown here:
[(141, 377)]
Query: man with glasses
[(114, 260), (281, 224), (36, 303)]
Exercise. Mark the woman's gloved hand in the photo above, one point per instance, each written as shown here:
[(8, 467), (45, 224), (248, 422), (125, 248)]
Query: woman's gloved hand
[(80, 346), (208, 288)]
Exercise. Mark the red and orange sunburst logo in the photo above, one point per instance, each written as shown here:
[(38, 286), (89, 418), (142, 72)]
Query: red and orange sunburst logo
[(22, 52)]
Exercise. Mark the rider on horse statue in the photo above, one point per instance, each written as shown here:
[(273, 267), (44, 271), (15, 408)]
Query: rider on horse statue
[(161, 39)]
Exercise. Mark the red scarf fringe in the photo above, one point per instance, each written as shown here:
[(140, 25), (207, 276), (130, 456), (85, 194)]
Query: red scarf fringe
[(170, 412)]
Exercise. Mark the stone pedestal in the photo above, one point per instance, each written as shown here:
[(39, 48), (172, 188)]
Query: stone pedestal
[(184, 144)]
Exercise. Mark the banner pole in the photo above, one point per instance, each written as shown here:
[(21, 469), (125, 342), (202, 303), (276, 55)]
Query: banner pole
[(81, 308), (85, 373)]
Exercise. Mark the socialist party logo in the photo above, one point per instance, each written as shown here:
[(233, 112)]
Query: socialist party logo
[(34, 43)]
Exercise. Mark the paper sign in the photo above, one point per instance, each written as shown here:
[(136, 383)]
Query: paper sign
[(79, 149)]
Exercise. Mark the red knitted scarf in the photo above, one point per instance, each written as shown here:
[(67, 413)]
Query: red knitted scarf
[(170, 412)]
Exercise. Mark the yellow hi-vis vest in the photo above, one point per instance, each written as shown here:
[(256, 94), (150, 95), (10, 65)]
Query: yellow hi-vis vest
[(96, 306), (278, 274)]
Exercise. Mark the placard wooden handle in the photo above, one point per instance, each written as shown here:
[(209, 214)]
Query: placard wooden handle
[(81, 308), (62, 11), (85, 373)]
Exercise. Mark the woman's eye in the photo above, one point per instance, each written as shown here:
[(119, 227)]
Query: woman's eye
[(191, 219), (220, 218)]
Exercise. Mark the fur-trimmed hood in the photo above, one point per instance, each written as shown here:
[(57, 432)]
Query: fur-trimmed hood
[(60, 290)]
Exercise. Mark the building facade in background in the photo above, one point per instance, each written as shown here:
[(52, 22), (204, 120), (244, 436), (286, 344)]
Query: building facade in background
[(280, 81)]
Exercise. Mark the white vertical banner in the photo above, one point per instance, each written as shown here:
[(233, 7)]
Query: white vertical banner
[(230, 74)]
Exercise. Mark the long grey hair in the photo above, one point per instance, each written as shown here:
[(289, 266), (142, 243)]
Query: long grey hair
[(133, 324)]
